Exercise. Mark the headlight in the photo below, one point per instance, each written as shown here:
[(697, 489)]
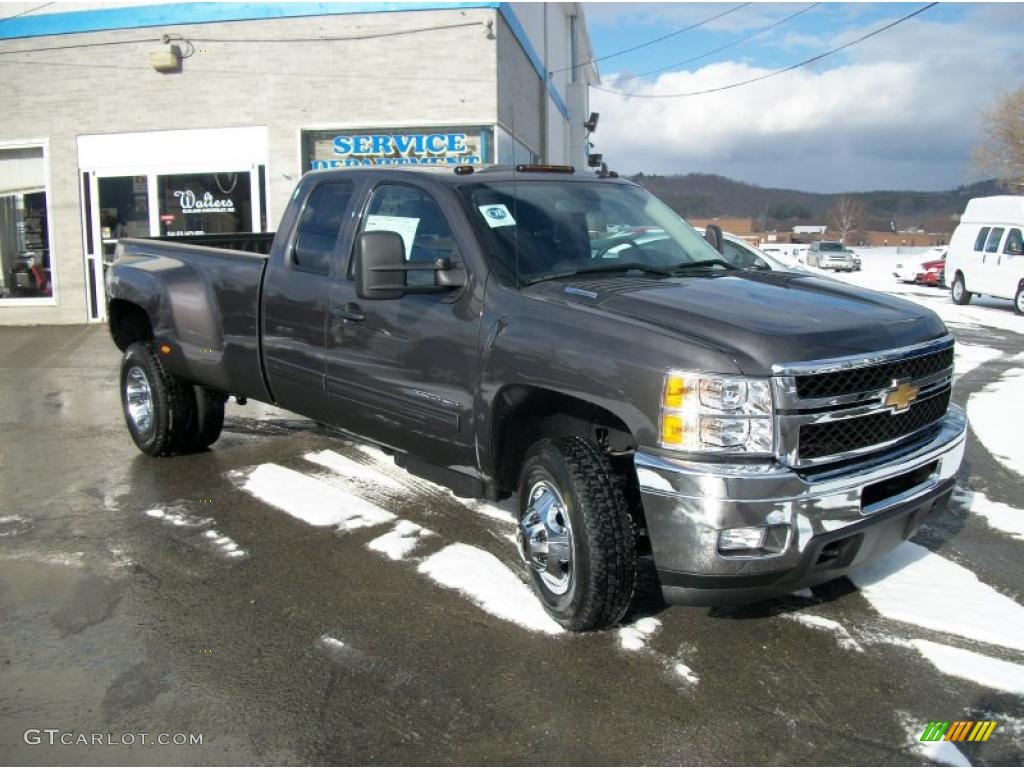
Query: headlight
[(717, 414)]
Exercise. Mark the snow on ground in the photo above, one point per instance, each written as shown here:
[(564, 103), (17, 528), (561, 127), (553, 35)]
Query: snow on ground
[(311, 500), (490, 584), (346, 467), (916, 586), (996, 414), (843, 637), (224, 544), (635, 636), (1000, 516), (685, 674), (941, 752), (400, 541), (970, 356), (984, 670), (878, 265)]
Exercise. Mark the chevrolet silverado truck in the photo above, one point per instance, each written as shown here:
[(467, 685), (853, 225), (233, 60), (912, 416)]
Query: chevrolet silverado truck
[(750, 432)]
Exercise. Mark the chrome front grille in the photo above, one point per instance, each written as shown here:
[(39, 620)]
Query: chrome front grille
[(834, 410), (852, 380)]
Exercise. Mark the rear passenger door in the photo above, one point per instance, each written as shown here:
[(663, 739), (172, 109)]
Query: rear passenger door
[(296, 298)]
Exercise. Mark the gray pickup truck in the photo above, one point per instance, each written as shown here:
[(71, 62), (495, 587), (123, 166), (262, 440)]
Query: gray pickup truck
[(750, 432)]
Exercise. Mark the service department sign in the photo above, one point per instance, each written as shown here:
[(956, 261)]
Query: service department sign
[(398, 146)]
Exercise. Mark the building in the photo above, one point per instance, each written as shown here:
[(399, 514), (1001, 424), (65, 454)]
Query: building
[(125, 120)]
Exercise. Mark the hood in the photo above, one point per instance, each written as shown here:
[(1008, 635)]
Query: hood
[(761, 318)]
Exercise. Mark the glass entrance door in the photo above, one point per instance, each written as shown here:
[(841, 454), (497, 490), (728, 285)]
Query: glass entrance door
[(150, 203)]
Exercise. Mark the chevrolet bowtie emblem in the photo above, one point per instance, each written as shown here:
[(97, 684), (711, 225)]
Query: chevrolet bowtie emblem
[(901, 396)]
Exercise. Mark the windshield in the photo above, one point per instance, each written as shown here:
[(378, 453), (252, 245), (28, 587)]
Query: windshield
[(540, 229), (831, 247)]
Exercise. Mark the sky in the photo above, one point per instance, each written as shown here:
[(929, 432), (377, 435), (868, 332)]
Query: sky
[(899, 111)]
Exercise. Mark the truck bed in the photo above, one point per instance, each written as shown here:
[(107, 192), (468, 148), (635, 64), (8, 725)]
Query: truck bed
[(203, 303)]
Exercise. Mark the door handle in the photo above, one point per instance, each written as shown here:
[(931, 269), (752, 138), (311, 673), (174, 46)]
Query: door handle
[(350, 313)]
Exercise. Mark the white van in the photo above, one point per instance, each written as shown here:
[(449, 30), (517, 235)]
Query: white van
[(986, 253)]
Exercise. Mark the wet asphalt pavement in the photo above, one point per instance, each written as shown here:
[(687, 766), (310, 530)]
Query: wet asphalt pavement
[(282, 642)]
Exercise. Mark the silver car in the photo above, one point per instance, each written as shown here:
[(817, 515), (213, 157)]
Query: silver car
[(827, 254)]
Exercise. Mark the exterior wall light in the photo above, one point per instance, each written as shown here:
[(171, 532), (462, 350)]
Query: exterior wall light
[(166, 62)]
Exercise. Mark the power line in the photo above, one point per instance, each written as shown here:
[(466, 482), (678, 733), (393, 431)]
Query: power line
[(176, 38), (650, 42), (24, 13), (722, 48), (790, 68)]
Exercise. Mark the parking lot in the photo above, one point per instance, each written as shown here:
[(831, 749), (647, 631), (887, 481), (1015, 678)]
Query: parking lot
[(296, 598)]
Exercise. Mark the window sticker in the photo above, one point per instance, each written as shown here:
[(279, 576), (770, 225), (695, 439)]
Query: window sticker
[(403, 225), (497, 216)]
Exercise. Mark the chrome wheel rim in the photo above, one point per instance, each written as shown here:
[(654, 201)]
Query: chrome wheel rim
[(958, 290), (544, 537), (139, 398), (1020, 302)]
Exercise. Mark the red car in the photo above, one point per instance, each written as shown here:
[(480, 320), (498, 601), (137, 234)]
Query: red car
[(933, 273)]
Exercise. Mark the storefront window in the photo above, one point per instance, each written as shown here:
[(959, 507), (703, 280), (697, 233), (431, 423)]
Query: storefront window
[(24, 226), (205, 203)]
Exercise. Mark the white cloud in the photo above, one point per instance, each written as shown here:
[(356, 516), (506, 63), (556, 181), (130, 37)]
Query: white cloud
[(900, 111)]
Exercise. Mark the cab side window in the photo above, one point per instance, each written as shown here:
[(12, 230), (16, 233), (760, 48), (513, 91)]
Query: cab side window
[(1014, 243), (320, 225), (979, 242), (992, 246), (738, 256), (415, 216)]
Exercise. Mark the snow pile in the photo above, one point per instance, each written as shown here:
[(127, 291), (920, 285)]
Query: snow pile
[(993, 412), (913, 585), (311, 500), (486, 581), (225, 544), (635, 636), (400, 541)]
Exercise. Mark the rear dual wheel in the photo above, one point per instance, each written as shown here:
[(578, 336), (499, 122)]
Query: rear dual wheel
[(165, 415)]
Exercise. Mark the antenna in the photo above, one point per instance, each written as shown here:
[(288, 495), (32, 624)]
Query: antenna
[(515, 202)]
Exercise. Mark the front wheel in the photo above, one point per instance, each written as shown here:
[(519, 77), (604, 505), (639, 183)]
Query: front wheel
[(1018, 300), (575, 533), (959, 291)]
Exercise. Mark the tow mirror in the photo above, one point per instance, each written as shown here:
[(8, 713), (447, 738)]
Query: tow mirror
[(713, 234), (380, 265), (380, 269)]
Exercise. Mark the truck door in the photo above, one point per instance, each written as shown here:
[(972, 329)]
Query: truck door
[(1008, 268), (296, 295), (401, 372)]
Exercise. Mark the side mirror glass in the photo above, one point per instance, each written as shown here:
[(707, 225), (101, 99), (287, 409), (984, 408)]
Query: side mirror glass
[(713, 234), (380, 265)]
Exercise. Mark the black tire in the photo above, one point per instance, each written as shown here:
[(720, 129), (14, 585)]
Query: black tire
[(959, 292), (172, 403), (1018, 300), (209, 418), (603, 574)]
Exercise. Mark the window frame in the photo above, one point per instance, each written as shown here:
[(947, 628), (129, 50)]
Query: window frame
[(365, 211), (54, 298), (290, 261)]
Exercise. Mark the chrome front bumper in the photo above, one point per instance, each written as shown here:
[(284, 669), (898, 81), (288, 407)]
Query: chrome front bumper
[(833, 526)]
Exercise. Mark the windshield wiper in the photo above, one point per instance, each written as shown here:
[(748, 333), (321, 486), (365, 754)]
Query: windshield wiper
[(702, 264), (608, 268)]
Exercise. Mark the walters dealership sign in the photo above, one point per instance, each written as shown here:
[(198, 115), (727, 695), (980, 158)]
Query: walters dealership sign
[(398, 146)]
